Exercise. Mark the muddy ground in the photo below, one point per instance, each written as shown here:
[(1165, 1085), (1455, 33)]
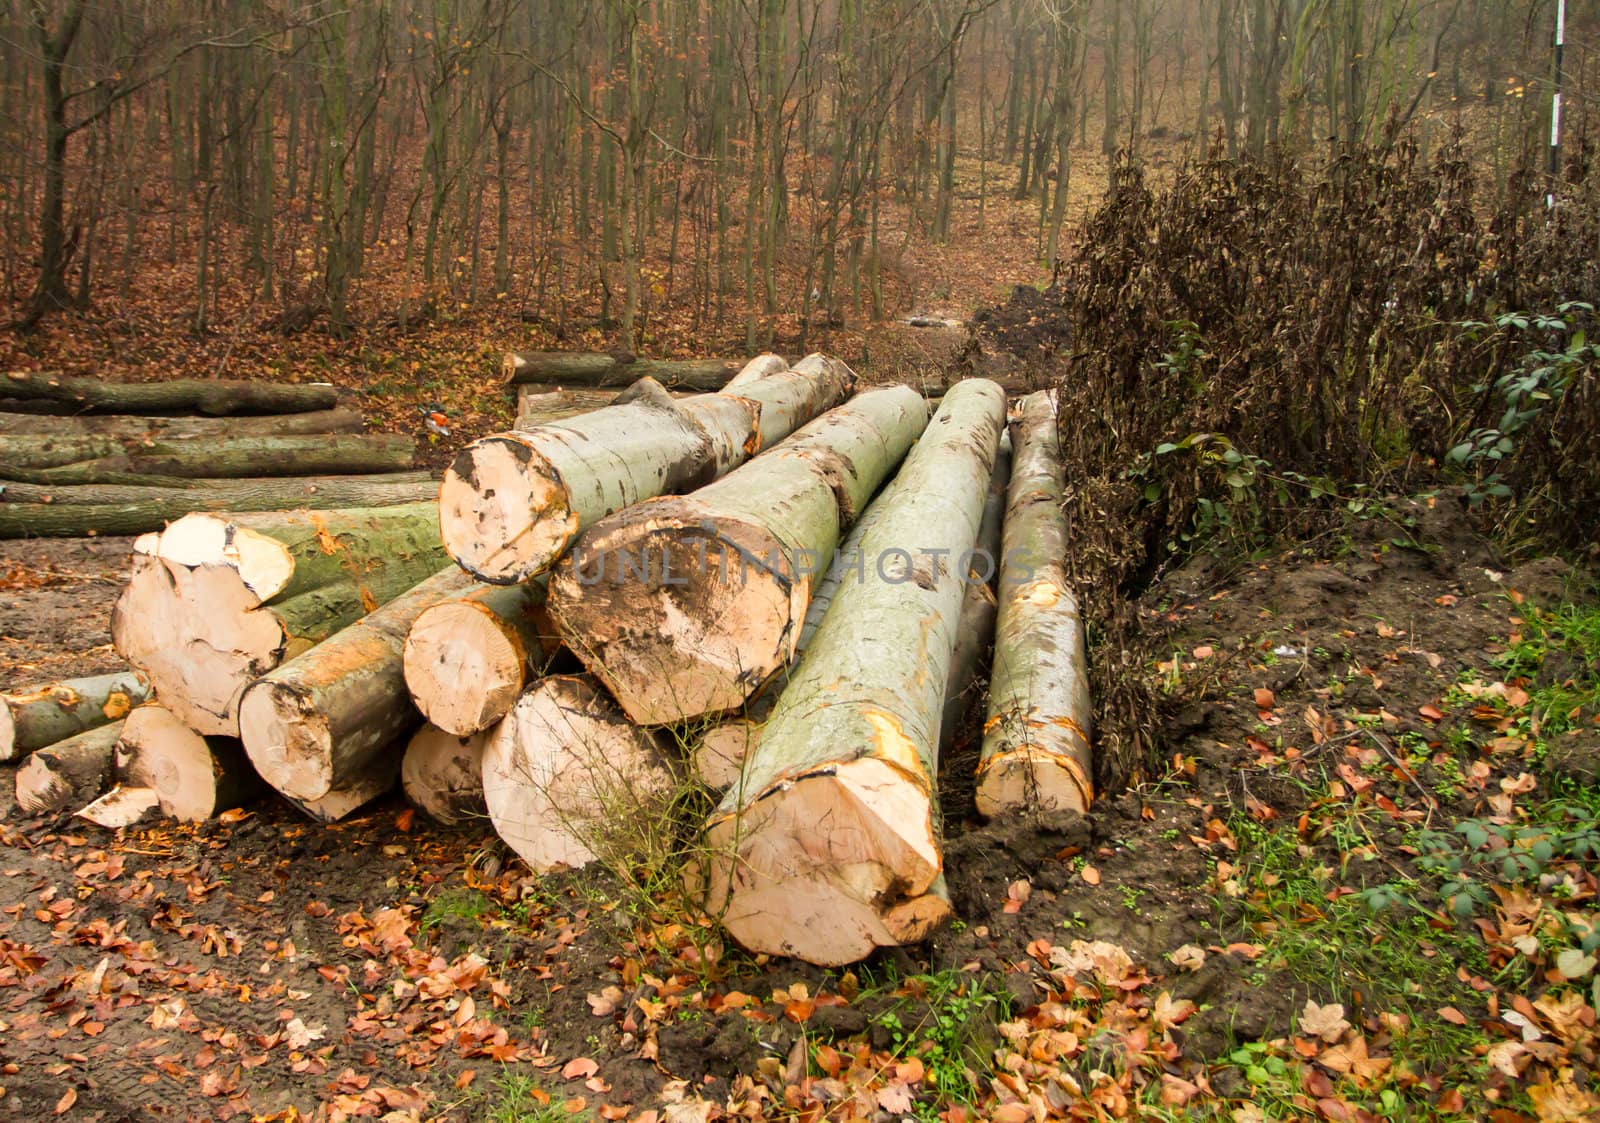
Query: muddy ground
[(265, 966)]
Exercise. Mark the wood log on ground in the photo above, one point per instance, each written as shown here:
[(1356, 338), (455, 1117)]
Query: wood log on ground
[(687, 605), (49, 511), (31, 719), (568, 780), (829, 848), (215, 601), (791, 397), (539, 405), (122, 806), (68, 773), (975, 631), (172, 428), (195, 777), (468, 659), (322, 721), (443, 775), (211, 397), (341, 803), (512, 503), (87, 460), (1036, 752), (597, 371)]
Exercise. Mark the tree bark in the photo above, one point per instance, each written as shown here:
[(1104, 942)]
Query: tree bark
[(46, 511), (183, 395), (70, 772), (829, 848), (790, 398), (596, 371), (217, 601), (569, 781), (975, 632), (169, 428), (468, 659), (321, 721), (538, 404), (32, 719), (686, 606), (195, 777), (1036, 753), (443, 775), (83, 460)]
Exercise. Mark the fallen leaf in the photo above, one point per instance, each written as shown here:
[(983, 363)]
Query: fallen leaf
[(1090, 874), (1190, 957), (579, 1068), (1452, 1015), (1265, 699), (68, 1098), (1325, 1022)]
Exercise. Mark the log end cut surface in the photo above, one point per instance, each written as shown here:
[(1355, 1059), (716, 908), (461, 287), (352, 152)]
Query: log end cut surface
[(1034, 780), (288, 740), (504, 513), (8, 734), (463, 667), (830, 866)]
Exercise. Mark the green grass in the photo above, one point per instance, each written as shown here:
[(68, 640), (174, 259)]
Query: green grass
[(461, 904), (1571, 634), (518, 1099)]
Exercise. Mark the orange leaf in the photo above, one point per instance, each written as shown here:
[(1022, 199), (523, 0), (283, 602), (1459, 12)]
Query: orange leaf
[(1452, 1015), (1265, 699), (575, 1105), (68, 1098), (800, 1009), (613, 1111), (403, 820), (1090, 874), (467, 1076), (1431, 712), (579, 1067)]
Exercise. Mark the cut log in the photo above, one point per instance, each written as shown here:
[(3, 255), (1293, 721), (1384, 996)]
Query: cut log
[(975, 632), (122, 806), (211, 397), (43, 715), (789, 398), (50, 511), (194, 777), (829, 847), (443, 775), (341, 803), (467, 660), (539, 405), (217, 601), (568, 780), (324, 720), (512, 503), (169, 428), (1036, 753), (68, 773), (87, 460), (685, 606), (575, 369)]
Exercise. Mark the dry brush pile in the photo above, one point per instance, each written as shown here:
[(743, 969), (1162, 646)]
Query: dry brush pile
[(720, 637)]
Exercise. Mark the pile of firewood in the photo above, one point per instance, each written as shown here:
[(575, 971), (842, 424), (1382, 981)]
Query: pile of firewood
[(780, 590), (81, 456)]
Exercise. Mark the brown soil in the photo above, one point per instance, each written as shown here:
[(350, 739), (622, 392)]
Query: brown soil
[(251, 966)]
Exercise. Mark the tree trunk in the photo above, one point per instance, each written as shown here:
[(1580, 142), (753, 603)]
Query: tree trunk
[(213, 397), (85, 460), (195, 777), (43, 511), (975, 631), (32, 719), (443, 775), (217, 601), (68, 773), (321, 722), (538, 404), (168, 428), (468, 659), (686, 606), (598, 371), (122, 806), (1036, 752), (829, 848), (790, 398), (568, 780)]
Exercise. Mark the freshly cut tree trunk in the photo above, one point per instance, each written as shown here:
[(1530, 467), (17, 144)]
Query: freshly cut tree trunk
[(215, 398), (341, 803), (568, 780), (217, 601), (32, 719), (47, 511), (685, 606), (829, 846), (68, 773), (69, 460), (791, 397), (512, 503), (195, 777), (322, 721), (443, 775), (975, 632), (1036, 753), (122, 806), (540, 405), (170, 428), (468, 659), (595, 370)]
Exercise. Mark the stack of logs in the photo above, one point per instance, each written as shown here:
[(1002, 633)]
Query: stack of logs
[(779, 589), (82, 456)]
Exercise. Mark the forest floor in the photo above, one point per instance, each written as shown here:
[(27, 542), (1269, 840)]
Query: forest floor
[(1364, 889)]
